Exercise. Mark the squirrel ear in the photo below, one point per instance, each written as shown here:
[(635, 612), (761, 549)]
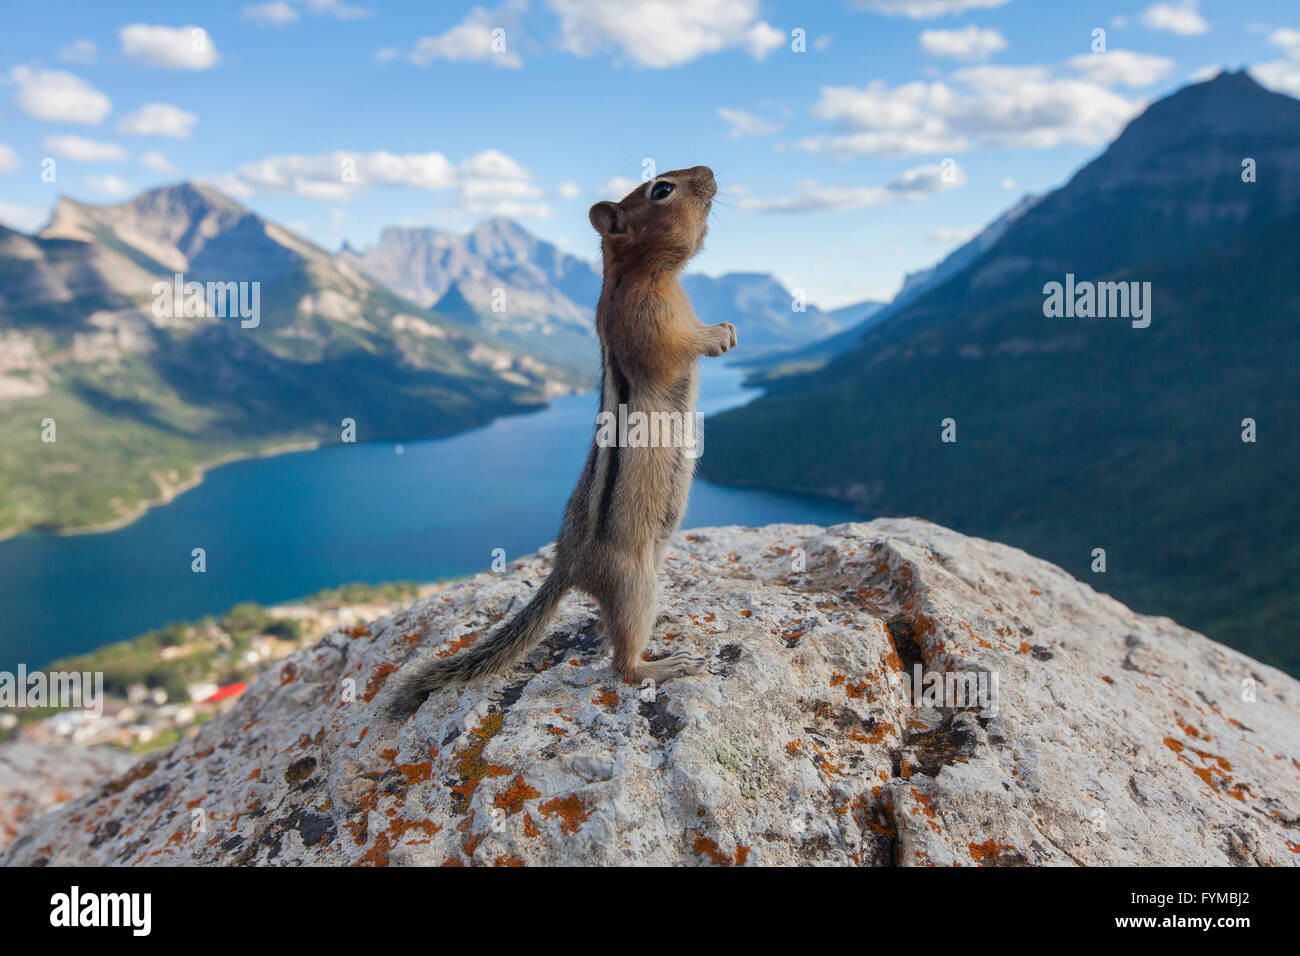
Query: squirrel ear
[(608, 218)]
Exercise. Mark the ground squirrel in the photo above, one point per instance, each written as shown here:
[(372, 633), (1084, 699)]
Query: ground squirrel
[(631, 495)]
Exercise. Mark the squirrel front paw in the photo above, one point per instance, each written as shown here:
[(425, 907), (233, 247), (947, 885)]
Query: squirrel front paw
[(720, 338)]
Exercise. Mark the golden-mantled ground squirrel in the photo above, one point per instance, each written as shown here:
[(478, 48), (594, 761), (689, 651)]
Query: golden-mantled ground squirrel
[(632, 494)]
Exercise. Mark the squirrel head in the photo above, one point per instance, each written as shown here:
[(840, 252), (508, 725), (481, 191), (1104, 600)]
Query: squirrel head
[(660, 224)]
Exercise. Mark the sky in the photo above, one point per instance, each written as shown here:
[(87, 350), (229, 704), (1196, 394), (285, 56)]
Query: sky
[(853, 140)]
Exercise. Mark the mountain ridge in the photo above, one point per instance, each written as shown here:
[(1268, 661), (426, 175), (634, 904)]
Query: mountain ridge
[(144, 397), (1078, 434), (527, 291)]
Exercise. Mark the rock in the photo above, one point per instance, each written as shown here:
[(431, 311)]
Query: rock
[(1114, 739), (37, 776)]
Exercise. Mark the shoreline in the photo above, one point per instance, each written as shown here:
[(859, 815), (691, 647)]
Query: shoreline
[(167, 493)]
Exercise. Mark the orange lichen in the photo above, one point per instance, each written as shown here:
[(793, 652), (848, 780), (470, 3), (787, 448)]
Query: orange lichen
[(570, 810), (378, 679), (609, 700), (1189, 729), (708, 847), (989, 851), (469, 764), (415, 772), (512, 798), (451, 647), (926, 803)]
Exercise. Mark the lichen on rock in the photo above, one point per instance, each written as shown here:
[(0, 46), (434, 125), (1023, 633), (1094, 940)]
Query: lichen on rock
[(1116, 738)]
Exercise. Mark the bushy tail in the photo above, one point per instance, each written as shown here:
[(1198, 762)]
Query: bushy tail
[(498, 652)]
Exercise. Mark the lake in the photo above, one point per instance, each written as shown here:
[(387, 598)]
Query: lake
[(275, 529)]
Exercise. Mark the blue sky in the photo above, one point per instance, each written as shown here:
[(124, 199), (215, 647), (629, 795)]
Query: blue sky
[(902, 127)]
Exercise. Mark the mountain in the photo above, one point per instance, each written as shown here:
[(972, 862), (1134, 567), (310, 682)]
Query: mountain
[(529, 293), (799, 745), (768, 368), (1077, 434), (762, 309), (549, 296), (141, 396)]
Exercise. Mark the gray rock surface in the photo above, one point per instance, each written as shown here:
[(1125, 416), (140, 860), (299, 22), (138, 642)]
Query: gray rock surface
[(1115, 738), (37, 776)]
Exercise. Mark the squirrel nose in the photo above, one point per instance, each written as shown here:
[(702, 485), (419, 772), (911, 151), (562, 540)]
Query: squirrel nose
[(702, 177)]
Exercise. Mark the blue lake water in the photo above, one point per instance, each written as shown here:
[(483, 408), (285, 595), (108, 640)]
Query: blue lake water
[(280, 528)]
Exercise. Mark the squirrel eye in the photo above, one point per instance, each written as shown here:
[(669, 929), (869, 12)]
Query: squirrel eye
[(661, 191)]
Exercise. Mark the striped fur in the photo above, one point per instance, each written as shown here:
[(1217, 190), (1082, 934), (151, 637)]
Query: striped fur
[(629, 500)]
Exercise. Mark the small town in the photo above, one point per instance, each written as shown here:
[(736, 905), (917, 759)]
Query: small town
[(162, 686)]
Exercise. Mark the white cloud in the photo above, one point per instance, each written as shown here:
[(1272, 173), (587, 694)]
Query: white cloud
[(171, 48), (969, 43), (812, 196), (616, 187), (493, 164), (107, 185), (58, 97), (761, 39), (9, 160), (1121, 68), (156, 162), (925, 9), (1181, 18), (469, 40), (949, 235), (569, 190), (336, 9), (1288, 40), (84, 150), (78, 51), (926, 180), (276, 13), (1282, 75), (983, 106), (663, 33), (744, 123), (1007, 183), (158, 119), (22, 217), (487, 183)]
